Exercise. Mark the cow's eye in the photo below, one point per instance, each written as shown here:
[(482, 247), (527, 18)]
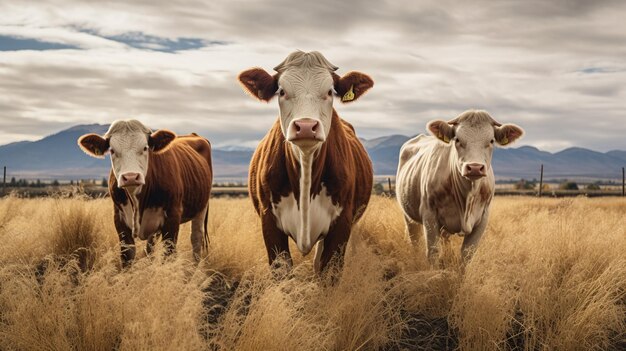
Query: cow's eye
[(281, 92), (112, 151), (492, 141), (330, 92), (145, 148)]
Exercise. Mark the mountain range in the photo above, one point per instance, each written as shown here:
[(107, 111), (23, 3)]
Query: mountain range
[(58, 157)]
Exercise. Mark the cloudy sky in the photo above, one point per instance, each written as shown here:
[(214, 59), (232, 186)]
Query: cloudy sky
[(556, 68)]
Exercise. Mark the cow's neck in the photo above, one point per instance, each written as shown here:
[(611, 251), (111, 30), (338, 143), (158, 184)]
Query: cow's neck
[(306, 159), (466, 194)]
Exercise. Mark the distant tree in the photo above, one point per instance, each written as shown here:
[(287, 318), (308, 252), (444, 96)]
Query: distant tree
[(38, 184), (71, 182), (13, 181), (55, 183), (104, 183), (378, 189), (523, 184), (568, 185), (593, 186)]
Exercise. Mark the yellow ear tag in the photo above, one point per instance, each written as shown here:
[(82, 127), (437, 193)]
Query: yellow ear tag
[(349, 96), (504, 141), (446, 139)]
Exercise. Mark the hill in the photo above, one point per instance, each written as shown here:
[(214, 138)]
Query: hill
[(57, 156)]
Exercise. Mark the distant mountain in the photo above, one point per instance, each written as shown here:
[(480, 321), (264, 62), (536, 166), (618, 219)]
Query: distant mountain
[(515, 163), (58, 156)]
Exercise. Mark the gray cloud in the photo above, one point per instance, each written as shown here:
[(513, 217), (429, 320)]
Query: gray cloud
[(555, 68)]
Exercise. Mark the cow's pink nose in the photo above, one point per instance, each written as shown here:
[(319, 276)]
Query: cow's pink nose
[(131, 179), (305, 129), (473, 170)]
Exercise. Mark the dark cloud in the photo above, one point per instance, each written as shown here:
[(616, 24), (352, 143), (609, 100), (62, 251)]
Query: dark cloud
[(554, 67)]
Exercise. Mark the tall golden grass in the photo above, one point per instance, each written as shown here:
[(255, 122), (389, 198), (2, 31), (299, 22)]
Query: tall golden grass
[(550, 274)]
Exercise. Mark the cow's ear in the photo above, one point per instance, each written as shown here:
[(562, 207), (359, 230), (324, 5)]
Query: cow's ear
[(258, 83), (160, 140), (352, 85), (442, 130), (94, 145), (508, 133)]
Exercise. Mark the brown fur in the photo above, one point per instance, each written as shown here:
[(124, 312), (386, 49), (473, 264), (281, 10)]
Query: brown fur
[(342, 165), (178, 180), (259, 83), (359, 82)]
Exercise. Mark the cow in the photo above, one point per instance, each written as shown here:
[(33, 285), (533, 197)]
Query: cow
[(157, 181), (445, 181), (310, 177)]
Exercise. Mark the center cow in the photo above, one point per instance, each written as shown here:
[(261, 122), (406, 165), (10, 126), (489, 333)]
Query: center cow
[(445, 182), (310, 177), (157, 182)]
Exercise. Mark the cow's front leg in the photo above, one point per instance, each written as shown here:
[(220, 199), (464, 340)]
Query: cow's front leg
[(127, 243), (413, 230), (170, 229), (276, 241), (431, 235), (334, 244), (150, 244), (471, 241)]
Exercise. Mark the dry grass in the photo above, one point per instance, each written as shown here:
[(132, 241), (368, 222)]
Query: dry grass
[(549, 275)]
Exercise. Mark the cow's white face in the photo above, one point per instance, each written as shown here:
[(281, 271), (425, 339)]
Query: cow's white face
[(129, 157), (305, 98), (473, 135), (305, 85), (130, 144), (474, 148)]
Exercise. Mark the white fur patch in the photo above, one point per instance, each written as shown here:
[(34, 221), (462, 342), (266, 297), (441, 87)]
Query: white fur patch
[(151, 222), (322, 213), (127, 215)]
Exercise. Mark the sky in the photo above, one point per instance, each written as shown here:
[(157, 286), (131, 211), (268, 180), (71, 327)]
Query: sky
[(556, 68)]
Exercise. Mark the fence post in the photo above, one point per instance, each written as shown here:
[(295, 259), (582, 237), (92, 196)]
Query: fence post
[(623, 183), (541, 182), (4, 178), (389, 182)]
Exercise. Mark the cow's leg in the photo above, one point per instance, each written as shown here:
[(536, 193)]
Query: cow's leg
[(150, 244), (170, 230), (413, 229), (125, 234), (335, 242), (276, 241), (431, 235), (471, 241), (198, 234)]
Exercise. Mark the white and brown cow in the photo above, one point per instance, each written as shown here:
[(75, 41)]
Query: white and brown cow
[(310, 177), (157, 182), (445, 182)]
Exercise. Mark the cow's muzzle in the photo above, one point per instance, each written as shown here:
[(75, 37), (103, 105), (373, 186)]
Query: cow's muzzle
[(474, 171), (305, 131), (131, 179)]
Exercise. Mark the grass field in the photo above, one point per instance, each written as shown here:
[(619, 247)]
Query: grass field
[(550, 274)]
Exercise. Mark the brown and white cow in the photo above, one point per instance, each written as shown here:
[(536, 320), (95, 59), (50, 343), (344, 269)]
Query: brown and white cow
[(157, 182), (310, 177), (445, 182)]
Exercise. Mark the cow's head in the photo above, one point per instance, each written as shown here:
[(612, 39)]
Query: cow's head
[(473, 135), (305, 84), (129, 143)]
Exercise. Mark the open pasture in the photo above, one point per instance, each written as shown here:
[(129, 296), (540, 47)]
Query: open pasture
[(549, 274)]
